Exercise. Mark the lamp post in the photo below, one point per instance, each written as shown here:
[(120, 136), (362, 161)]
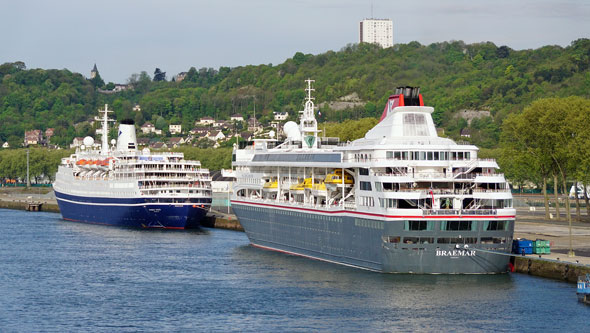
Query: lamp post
[(28, 179)]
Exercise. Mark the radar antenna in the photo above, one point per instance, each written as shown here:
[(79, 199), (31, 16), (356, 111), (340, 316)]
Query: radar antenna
[(105, 130)]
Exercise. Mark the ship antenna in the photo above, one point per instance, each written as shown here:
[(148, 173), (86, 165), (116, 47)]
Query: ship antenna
[(105, 130), (308, 125), (309, 100)]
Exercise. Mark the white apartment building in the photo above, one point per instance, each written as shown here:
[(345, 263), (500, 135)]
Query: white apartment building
[(175, 129), (377, 31)]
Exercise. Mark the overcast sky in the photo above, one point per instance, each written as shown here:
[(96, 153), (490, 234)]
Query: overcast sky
[(129, 36)]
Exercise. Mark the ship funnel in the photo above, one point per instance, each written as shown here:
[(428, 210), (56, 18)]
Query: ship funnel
[(126, 140)]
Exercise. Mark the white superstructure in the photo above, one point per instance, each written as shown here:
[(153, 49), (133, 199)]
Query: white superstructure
[(120, 176), (399, 188)]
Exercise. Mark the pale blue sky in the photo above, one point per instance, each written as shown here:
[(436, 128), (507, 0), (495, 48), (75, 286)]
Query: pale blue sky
[(127, 36)]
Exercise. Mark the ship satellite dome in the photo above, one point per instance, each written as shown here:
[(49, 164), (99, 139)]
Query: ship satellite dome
[(145, 151), (291, 129), (88, 141), (82, 147), (271, 134), (113, 142)]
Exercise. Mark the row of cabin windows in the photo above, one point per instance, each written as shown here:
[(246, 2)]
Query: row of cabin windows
[(446, 203), (428, 155), (367, 201), (456, 225), (445, 240)]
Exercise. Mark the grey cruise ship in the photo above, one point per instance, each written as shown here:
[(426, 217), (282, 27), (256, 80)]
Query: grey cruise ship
[(400, 200)]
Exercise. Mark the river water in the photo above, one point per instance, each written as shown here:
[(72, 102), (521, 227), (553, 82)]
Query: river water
[(63, 276)]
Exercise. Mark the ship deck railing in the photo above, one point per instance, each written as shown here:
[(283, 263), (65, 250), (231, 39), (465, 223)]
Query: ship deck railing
[(177, 195), (460, 212), (334, 207), (180, 186), (163, 178)]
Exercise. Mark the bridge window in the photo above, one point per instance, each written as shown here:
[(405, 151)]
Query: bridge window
[(419, 225), (458, 225), (495, 225)]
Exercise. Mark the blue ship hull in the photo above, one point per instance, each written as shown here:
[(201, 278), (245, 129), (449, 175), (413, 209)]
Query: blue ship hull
[(133, 212)]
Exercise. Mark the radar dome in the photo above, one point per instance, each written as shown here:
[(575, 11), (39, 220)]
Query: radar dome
[(113, 142), (271, 134), (291, 129), (88, 141), (145, 151)]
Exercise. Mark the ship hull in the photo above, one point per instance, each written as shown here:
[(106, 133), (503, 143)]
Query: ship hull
[(362, 241), (132, 212)]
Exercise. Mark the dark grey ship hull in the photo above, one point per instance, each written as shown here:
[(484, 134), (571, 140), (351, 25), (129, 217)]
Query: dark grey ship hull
[(368, 242)]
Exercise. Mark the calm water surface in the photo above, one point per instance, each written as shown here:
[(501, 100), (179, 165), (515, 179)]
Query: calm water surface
[(63, 276)]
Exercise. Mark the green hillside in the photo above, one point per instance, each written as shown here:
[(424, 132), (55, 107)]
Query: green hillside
[(454, 76)]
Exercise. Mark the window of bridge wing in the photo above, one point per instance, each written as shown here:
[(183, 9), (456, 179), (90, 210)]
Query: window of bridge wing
[(419, 225), (458, 225)]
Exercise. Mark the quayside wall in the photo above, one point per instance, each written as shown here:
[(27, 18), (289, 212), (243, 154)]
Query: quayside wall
[(553, 269)]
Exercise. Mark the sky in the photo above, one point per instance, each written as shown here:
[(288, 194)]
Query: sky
[(129, 36)]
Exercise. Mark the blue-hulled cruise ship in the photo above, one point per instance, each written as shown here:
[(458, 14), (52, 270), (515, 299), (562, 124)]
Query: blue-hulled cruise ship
[(123, 186)]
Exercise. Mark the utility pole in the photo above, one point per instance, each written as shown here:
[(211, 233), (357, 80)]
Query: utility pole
[(28, 179)]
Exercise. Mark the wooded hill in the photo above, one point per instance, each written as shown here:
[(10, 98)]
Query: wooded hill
[(453, 76)]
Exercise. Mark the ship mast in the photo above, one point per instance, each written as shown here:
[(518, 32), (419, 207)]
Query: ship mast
[(105, 130), (308, 124)]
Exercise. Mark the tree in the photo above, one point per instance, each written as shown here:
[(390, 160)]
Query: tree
[(161, 123), (159, 75), (97, 81)]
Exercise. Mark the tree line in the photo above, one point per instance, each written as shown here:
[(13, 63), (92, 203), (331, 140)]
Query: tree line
[(453, 76), (549, 141)]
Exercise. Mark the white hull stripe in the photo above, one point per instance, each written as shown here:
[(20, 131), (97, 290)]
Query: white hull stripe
[(133, 205)]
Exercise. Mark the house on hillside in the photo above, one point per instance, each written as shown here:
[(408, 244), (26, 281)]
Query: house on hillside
[(175, 129), (200, 131), (137, 108), (121, 87), (180, 76), (147, 128), (215, 136), (48, 134), (206, 121), (158, 145), (5, 145), (142, 142), (77, 142), (465, 133), (34, 137), (236, 117), (281, 115), (221, 124), (175, 142), (254, 125)]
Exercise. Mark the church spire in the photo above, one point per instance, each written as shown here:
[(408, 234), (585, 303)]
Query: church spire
[(93, 72)]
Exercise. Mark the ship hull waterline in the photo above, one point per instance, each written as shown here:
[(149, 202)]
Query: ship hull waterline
[(132, 212), (358, 242)]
